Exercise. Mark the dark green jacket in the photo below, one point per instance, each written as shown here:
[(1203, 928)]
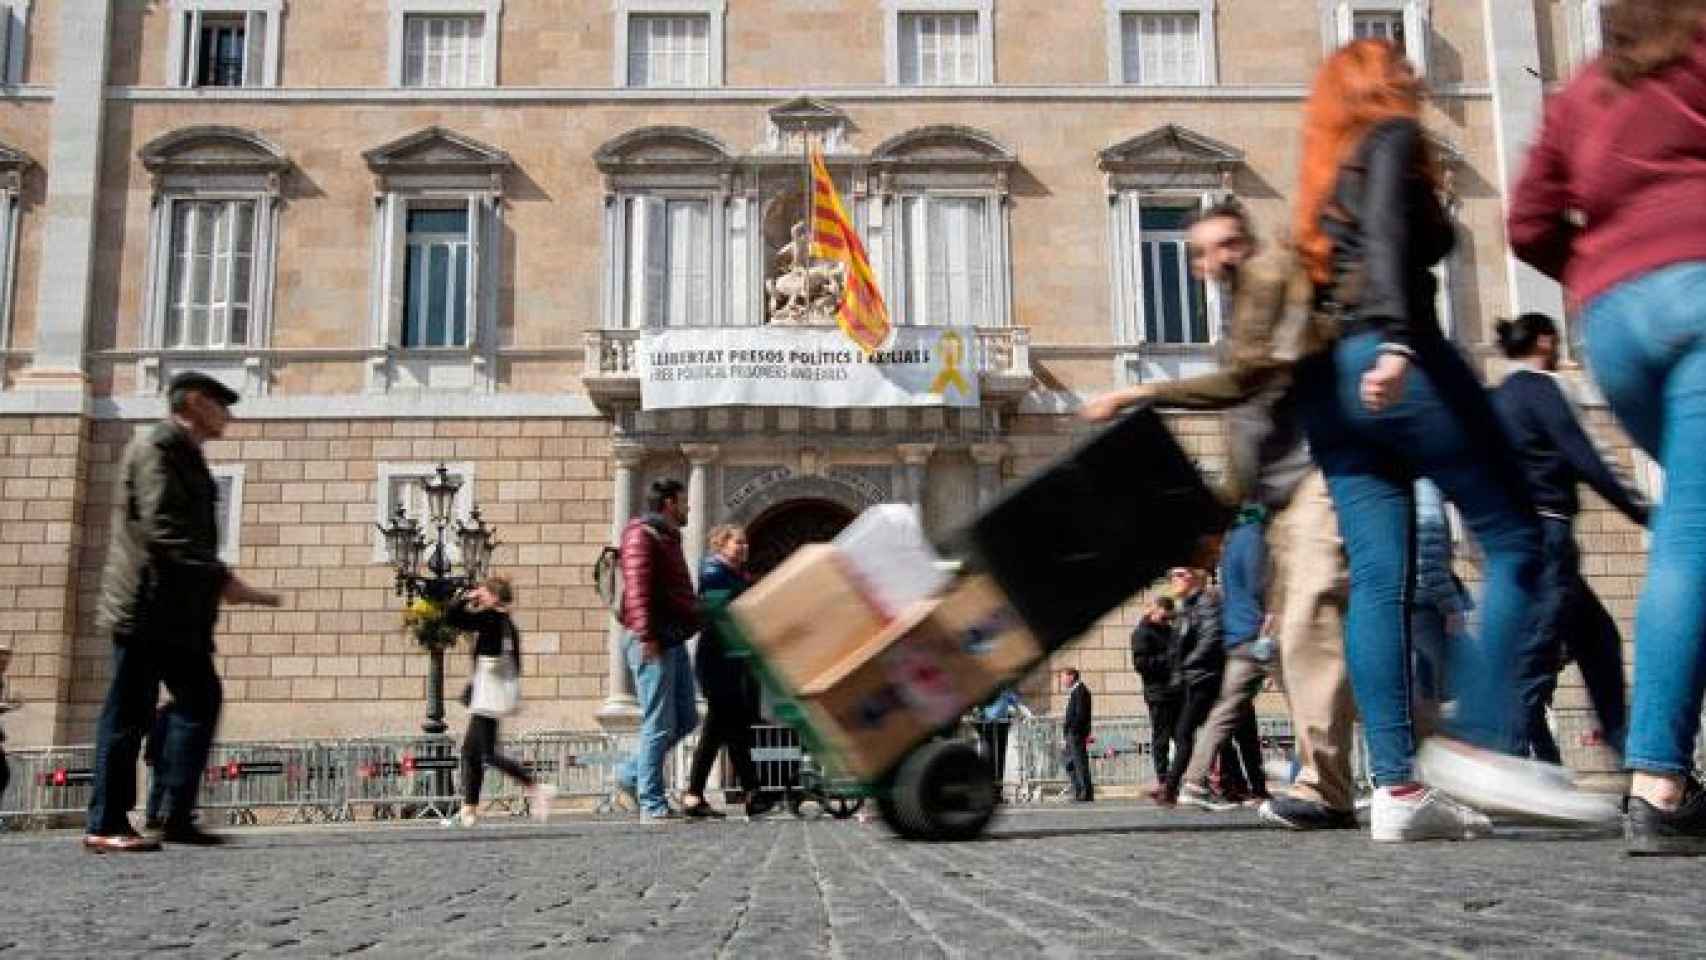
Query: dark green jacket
[(163, 577)]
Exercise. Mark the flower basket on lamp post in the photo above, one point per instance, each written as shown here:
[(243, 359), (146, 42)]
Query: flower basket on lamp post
[(428, 581)]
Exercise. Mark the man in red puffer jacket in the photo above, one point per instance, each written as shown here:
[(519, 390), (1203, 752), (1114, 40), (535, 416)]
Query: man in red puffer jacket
[(659, 613)]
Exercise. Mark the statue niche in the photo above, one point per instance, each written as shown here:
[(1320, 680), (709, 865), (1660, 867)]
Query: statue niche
[(799, 291)]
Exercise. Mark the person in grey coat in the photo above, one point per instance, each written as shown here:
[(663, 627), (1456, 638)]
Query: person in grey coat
[(160, 597)]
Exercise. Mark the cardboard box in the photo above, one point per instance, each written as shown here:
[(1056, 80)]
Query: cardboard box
[(807, 616), (919, 675)]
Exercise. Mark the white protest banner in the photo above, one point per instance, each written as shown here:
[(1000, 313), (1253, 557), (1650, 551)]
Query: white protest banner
[(805, 367)]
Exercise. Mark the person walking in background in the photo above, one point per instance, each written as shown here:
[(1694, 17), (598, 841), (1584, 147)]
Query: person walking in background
[(994, 721), (1202, 659), (1075, 727), (1269, 330), (484, 612), (1232, 718), (160, 596), (1440, 611), (1557, 454), (724, 679), (1613, 202), (659, 613), (1391, 400), (1155, 657)]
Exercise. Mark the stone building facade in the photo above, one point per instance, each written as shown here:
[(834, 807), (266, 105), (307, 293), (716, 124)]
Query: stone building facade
[(422, 231)]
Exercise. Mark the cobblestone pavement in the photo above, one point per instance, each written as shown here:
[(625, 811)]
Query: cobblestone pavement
[(1112, 881)]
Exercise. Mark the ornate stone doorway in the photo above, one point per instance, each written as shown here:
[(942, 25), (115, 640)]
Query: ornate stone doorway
[(790, 525)]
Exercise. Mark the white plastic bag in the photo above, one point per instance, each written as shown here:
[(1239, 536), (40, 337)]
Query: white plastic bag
[(888, 554)]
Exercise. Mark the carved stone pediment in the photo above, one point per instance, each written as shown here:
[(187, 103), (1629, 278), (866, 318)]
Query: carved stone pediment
[(1170, 145), (436, 149), (13, 163), (944, 144), (808, 113), (213, 149), (662, 146), (1170, 157)]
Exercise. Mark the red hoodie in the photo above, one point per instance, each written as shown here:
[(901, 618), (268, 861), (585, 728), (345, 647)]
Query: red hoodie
[(1615, 186)]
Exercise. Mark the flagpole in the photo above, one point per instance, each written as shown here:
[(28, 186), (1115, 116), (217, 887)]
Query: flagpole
[(809, 198)]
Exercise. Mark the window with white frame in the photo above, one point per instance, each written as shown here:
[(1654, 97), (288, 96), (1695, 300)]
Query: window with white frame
[(437, 278), (444, 43), (938, 49), (1403, 23), (1161, 49), (13, 164), (669, 51), (1165, 303), (225, 43), (1385, 25), (228, 515), (945, 260), (213, 231), (669, 43), (1586, 30), (667, 249), (14, 39), (443, 51), (401, 484), (933, 43), (211, 286)]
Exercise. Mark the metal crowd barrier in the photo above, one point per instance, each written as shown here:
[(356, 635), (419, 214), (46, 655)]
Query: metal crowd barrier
[(419, 777), (48, 784)]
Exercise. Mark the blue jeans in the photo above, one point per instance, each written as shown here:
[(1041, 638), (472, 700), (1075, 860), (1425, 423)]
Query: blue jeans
[(1646, 343), (1442, 428), (667, 714)]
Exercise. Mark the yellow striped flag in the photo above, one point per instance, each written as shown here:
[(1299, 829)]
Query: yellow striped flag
[(863, 315)]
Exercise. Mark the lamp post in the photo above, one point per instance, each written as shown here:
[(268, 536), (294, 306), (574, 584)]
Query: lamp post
[(407, 549)]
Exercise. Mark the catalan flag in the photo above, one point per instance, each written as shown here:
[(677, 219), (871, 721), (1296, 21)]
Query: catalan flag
[(863, 315)]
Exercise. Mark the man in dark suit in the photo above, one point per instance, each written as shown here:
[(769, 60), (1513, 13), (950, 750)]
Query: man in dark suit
[(160, 597), (1076, 727)]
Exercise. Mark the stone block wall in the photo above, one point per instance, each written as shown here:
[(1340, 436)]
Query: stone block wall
[(42, 516), (334, 660)]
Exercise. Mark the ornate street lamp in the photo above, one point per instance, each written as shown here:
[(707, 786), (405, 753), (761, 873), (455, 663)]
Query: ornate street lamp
[(406, 548)]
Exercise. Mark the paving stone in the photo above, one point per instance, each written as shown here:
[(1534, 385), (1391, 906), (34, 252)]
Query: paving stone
[(1114, 880)]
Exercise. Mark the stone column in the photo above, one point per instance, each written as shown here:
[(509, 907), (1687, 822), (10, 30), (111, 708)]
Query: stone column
[(988, 457), (915, 463), (1513, 50), (73, 191), (699, 456), (621, 709)]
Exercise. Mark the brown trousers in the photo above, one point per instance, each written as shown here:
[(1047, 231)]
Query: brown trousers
[(1308, 595)]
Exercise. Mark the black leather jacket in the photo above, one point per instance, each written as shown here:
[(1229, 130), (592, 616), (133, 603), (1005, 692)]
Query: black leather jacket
[(1388, 229)]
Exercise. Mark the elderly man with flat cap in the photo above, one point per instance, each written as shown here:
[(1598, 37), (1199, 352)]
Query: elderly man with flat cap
[(160, 596)]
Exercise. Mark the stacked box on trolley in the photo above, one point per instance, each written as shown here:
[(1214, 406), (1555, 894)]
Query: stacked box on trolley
[(1051, 558)]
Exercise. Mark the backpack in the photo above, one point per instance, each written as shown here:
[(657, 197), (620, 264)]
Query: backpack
[(607, 575)]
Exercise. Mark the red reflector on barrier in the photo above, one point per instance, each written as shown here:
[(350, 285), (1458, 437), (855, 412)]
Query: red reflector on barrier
[(233, 770), (408, 763), (59, 777)]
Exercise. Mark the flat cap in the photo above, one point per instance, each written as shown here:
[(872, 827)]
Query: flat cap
[(202, 383)]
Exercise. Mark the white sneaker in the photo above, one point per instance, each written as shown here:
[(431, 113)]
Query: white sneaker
[(1430, 815), (461, 821), (539, 801), (1511, 785)]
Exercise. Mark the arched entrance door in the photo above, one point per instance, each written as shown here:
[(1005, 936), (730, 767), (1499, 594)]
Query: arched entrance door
[(787, 527)]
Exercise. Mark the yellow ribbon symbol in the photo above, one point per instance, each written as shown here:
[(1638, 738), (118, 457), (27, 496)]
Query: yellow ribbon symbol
[(953, 352)]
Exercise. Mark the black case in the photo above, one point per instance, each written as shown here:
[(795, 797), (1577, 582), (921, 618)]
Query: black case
[(1104, 521)]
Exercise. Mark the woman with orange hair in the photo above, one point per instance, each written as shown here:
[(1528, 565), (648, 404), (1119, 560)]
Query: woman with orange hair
[(1390, 401)]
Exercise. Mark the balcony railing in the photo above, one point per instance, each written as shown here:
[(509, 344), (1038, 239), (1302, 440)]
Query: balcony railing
[(1003, 359)]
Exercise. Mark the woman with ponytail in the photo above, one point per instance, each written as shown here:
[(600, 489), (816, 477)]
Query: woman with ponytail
[(1390, 401), (1613, 202)]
